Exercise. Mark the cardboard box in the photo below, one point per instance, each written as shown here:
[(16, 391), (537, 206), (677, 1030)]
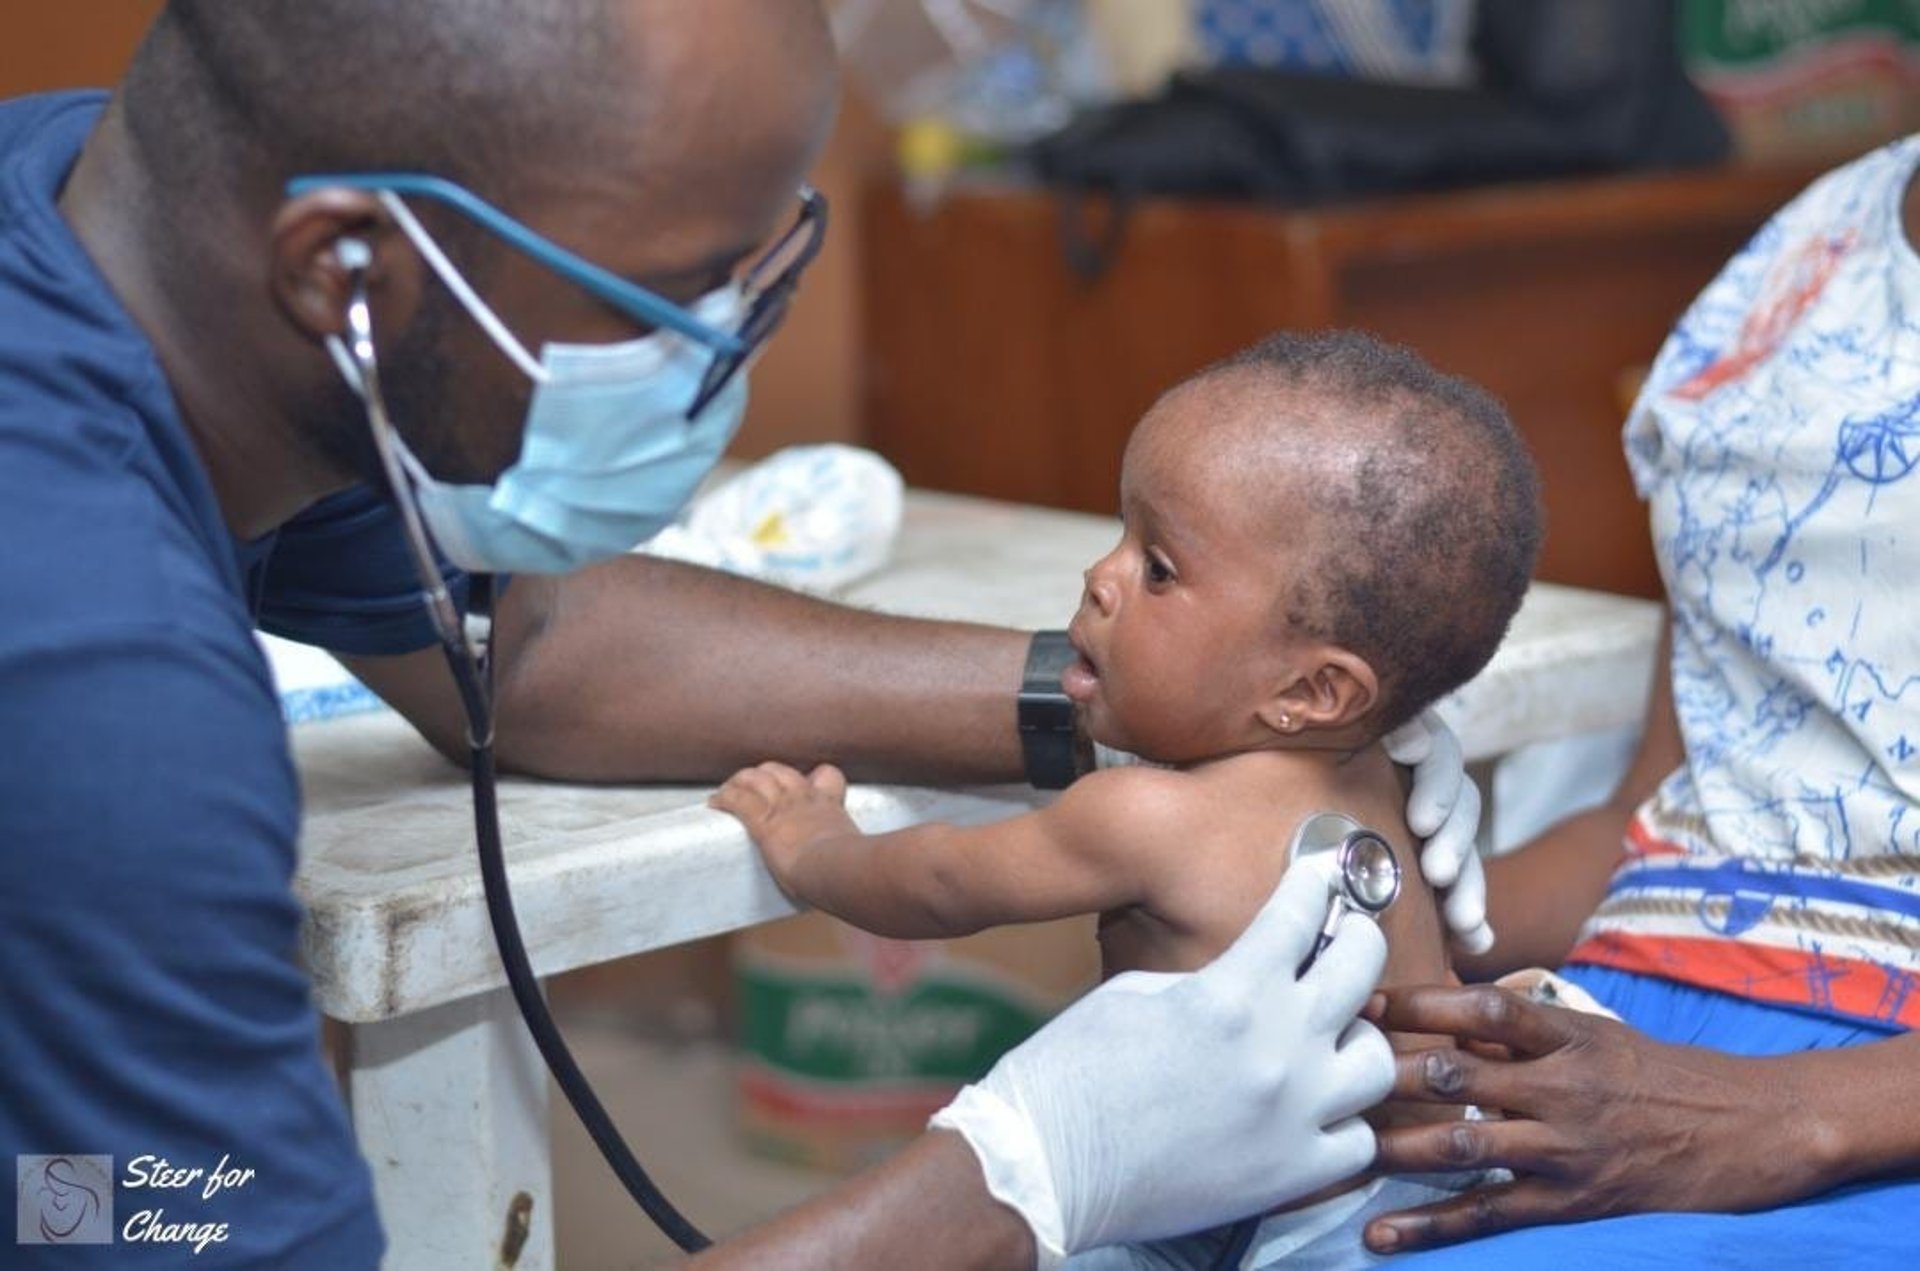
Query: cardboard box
[(848, 1042)]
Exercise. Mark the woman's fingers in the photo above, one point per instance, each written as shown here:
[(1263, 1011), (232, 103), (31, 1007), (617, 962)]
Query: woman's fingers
[(1600, 1119), (1522, 1145), (1483, 1211), (1481, 1013), (1445, 1075)]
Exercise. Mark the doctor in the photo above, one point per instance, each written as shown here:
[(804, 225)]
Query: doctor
[(185, 454)]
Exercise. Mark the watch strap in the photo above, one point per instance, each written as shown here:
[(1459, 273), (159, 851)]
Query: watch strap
[(1049, 734)]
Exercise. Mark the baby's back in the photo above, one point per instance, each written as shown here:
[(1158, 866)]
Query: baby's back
[(1244, 813)]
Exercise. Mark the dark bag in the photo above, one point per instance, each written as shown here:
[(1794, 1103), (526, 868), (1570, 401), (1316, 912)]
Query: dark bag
[(1567, 86)]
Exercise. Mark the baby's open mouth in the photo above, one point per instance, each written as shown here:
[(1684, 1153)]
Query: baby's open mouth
[(1081, 679)]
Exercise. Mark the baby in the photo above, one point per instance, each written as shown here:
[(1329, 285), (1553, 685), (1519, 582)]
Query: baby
[(1321, 535)]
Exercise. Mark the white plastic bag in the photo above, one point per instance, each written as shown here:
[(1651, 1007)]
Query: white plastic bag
[(812, 517)]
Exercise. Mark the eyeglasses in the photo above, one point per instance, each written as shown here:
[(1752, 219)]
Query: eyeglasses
[(767, 287)]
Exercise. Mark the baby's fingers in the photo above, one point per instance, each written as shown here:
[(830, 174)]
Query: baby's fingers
[(828, 780), (781, 778), (747, 794), (738, 801)]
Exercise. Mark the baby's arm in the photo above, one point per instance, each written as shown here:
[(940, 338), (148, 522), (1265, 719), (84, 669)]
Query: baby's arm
[(1092, 849)]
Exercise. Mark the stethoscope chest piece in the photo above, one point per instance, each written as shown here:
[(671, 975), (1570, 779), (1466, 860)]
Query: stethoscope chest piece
[(1366, 874), (1366, 879)]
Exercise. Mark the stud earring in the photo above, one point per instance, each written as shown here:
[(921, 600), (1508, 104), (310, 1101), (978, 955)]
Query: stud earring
[(1286, 722)]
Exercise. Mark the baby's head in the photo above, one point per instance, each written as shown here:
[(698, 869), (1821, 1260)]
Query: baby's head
[(1322, 535)]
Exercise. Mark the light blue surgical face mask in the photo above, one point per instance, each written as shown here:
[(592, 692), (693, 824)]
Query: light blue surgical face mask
[(608, 457)]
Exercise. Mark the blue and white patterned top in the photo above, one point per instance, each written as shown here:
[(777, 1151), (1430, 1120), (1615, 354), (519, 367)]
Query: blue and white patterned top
[(1776, 442)]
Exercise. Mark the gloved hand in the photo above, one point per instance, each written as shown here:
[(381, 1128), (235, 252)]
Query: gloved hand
[(1444, 809), (1160, 1104)]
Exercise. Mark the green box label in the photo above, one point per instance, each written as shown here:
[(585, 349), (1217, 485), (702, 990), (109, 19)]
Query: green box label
[(841, 1030)]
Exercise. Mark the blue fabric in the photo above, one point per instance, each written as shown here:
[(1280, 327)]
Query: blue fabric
[(1379, 39), (1324, 1236), (338, 576), (1857, 1227), (151, 1002)]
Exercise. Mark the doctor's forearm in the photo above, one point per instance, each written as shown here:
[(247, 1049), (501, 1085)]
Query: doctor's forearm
[(645, 669), (927, 1207)]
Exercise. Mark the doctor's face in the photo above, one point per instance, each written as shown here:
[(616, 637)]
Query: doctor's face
[(691, 182)]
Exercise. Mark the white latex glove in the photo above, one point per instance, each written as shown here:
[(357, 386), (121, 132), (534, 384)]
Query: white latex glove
[(1444, 809), (1161, 1104)]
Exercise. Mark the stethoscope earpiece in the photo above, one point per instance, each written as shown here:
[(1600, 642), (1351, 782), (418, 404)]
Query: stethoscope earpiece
[(354, 254)]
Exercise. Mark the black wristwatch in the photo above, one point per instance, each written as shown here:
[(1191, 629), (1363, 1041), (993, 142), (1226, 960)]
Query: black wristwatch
[(1050, 741)]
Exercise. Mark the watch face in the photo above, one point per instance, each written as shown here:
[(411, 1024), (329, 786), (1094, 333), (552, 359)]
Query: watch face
[(1048, 654)]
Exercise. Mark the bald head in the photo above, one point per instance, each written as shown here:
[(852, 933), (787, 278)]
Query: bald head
[(1419, 498), (661, 139), (498, 95)]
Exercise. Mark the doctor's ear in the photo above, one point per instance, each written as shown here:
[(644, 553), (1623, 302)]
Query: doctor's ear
[(317, 244)]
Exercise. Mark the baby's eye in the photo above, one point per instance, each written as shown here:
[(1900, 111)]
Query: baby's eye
[(1159, 570)]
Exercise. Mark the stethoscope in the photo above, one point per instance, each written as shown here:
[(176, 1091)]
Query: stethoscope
[(1365, 880), (468, 646), (1366, 873)]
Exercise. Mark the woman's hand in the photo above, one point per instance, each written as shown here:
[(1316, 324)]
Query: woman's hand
[(1598, 1120)]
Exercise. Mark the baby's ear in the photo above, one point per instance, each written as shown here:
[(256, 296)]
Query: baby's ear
[(1337, 689)]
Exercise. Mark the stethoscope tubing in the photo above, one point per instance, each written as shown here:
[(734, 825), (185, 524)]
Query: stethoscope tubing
[(469, 651)]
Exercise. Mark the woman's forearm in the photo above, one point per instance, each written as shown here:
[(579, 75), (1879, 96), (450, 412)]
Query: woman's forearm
[(1862, 1108), (927, 1207), (1539, 896)]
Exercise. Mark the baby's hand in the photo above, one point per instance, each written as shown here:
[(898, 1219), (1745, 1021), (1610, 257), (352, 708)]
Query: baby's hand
[(786, 812)]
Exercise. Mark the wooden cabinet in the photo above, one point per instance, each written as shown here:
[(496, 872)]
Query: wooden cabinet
[(48, 46), (993, 368)]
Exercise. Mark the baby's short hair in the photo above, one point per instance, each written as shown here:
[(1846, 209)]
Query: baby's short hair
[(1429, 537)]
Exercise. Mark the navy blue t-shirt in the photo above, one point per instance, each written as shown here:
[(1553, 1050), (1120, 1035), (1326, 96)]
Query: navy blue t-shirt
[(151, 1002)]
